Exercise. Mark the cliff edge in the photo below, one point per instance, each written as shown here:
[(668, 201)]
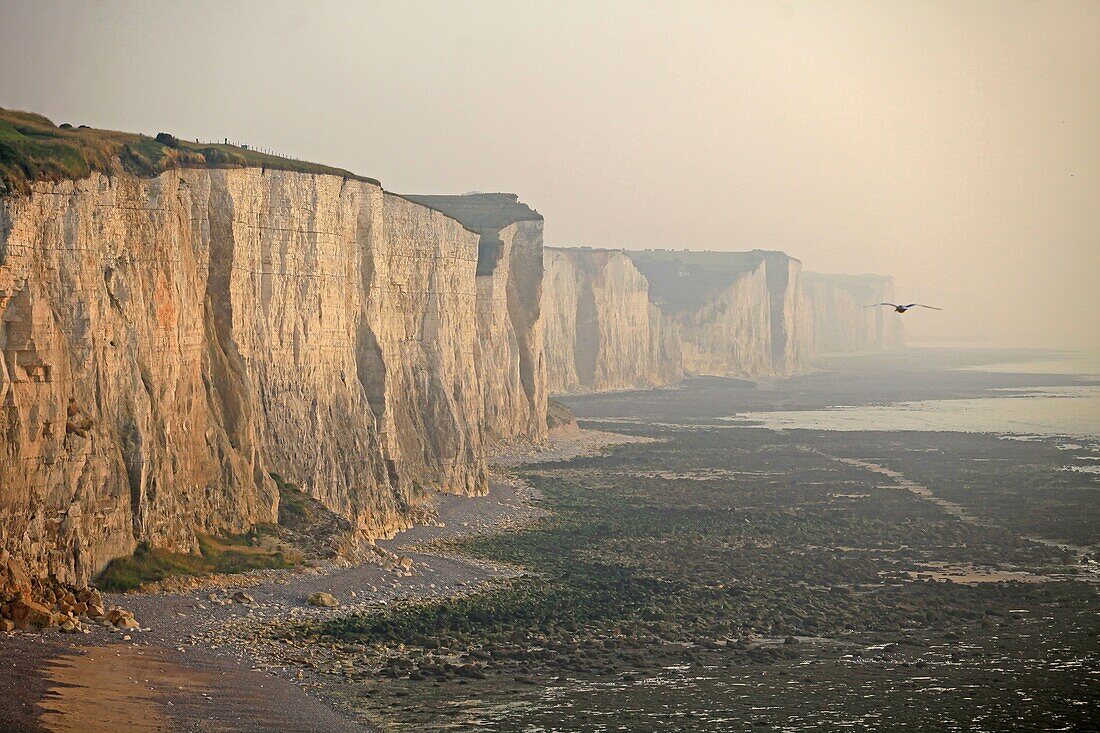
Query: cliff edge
[(622, 319), (170, 342)]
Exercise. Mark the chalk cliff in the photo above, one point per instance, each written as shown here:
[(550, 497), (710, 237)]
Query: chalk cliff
[(169, 342), (509, 351), (618, 319), (602, 331), (740, 313), (180, 322), (840, 322)]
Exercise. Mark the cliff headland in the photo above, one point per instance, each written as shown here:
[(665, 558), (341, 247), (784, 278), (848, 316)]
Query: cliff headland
[(195, 334)]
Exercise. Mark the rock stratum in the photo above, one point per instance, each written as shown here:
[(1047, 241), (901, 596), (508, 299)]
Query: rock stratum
[(619, 319), (187, 328), (171, 342)]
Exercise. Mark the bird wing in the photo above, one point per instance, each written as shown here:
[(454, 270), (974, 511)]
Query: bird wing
[(876, 305), (922, 305)]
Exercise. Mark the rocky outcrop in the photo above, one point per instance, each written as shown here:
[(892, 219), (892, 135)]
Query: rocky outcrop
[(168, 343), (740, 313), (509, 350), (618, 319), (840, 321), (602, 331)]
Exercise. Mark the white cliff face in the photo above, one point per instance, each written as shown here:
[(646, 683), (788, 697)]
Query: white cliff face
[(168, 343), (510, 347), (559, 320), (425, 322), (509, 352), (795, 340), (626, 320), (731, 334), (110, 327), (751, 324), (602, 333), (840, 322)]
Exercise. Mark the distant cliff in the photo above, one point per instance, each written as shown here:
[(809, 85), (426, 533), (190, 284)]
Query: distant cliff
[(841, 322), (602, 331), (618, 319), (170, 342), (739, 313), (181, 322)]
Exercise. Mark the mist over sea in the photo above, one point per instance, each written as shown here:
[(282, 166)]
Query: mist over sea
[(1070, 411)]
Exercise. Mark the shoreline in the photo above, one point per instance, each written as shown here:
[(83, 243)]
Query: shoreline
[(209, 660), (237, 673)]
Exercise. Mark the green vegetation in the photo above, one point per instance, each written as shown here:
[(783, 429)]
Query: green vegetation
[(231, 554), (685, 281), (558, 415), (669, 560), (295, 507), (484, 213), (32, 148), (734, 565)]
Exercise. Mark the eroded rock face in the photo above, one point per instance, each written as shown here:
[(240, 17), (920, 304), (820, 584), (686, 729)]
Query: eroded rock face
[(627, 319), (168, 343), (509, 350), (740, 313), (840, 321), (602, 332)]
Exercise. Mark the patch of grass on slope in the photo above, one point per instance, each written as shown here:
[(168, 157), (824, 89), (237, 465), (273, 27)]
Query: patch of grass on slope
[(231, 554), (32, 148)]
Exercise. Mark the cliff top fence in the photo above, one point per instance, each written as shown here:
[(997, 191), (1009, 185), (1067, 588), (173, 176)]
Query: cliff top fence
[(32, 148)]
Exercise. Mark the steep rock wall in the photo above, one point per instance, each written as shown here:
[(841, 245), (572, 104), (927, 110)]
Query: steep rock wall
[(169, 342), (509, 349), (626, 319), (602, 333), (739, 313), (425, 321), (840, 322), (112, 329)]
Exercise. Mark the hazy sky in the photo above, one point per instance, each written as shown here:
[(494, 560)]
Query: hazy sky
[(954, 145)]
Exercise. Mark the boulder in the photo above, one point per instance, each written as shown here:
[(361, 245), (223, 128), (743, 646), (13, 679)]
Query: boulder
[(14, 580), (27, 613), (326, 600), (90, 596), (123, 619), (128, 622)]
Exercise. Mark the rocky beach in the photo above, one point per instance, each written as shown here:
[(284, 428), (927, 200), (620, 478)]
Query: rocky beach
[(725, 576), (683, 571), (208, 657)]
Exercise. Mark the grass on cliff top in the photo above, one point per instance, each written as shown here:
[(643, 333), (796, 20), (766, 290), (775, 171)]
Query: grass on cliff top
[(231, 554), (481, 212), (684, 281), (32, 148), (484, 213)]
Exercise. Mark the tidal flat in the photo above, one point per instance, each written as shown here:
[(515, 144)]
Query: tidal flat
[(729, 577)]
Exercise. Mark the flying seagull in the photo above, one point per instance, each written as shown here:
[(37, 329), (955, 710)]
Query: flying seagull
[(903, 308)]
